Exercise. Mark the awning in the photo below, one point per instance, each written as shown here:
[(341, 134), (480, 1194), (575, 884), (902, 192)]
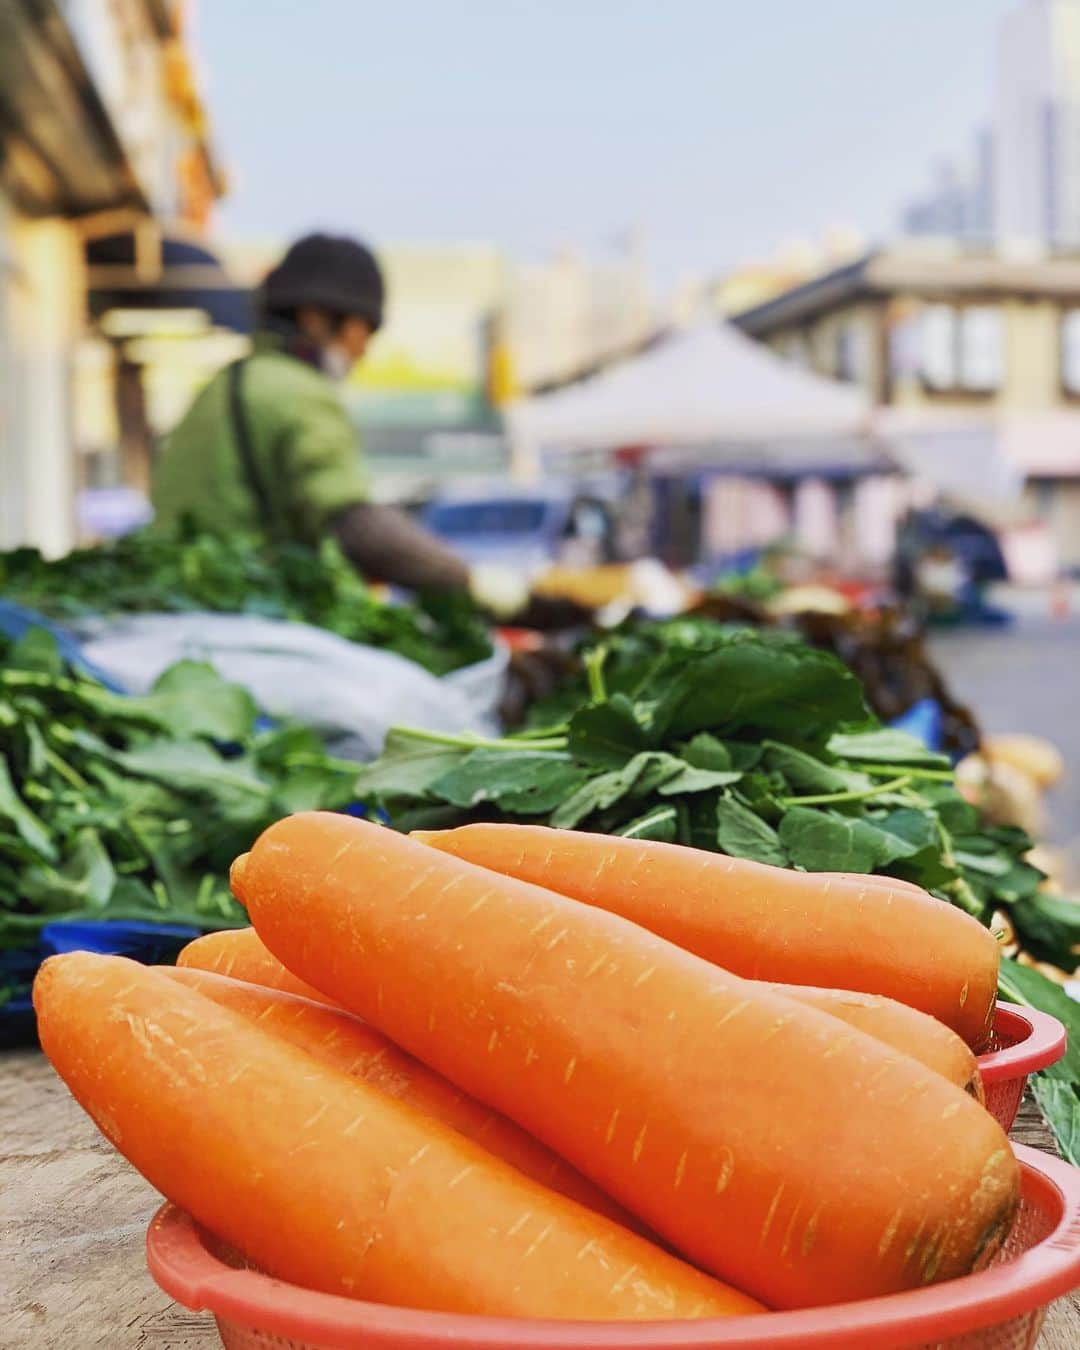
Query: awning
[(143, 268), (710, 390), (59, 152)]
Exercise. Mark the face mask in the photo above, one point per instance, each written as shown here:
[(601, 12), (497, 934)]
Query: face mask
[(336, 362)]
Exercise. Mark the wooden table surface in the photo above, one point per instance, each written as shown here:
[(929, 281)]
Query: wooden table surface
[(73, 1219)]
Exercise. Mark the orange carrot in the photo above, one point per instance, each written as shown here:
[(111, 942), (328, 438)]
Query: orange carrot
[(904, 1028), (338, 1038), (327, 1182), (241, 954), (797, 1158), (767, 923), (244, 955)]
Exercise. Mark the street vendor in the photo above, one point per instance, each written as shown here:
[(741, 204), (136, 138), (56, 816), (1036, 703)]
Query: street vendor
[(268, 447)]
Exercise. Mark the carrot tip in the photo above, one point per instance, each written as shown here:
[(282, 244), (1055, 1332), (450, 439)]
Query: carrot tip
[(236, 876)]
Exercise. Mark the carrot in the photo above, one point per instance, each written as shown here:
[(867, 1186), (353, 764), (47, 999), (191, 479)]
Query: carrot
[(796, 1158), (835, 932), (336, 1037), (241, 954), (911, 1032), (324, 1181)]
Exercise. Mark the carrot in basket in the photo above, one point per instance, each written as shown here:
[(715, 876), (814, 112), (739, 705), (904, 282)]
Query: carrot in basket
[(336, 1037), (796, 1157), (767, 923), (322, 1180), (241, 954), (905, 1029)]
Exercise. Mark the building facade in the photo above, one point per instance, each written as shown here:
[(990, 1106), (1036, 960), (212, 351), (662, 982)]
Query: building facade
[(102, 134), (972, 358), (1037, 124)]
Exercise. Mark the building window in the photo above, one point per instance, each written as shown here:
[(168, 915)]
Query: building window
[(982, 349), (938, 347), (962, 349), (851, 353), (797, 351), (1070, 351)]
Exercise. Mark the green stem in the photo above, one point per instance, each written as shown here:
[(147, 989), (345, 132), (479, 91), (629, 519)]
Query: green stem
[(479, 742), (307, 760), (542, 733), (594, 672), (64, 769), (887, 770), (834, 798)]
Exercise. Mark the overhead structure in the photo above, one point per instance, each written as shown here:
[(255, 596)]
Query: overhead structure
[(708, 390)]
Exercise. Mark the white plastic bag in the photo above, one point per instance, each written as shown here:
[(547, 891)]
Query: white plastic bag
[(349, 693)]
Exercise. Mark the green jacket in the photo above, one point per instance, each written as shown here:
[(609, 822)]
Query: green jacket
[(305, 449)]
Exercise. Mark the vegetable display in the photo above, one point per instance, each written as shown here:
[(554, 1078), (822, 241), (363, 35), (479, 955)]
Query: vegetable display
[(151, 571), (754, 745), (326, 1181), (132, 808), (724, 1115)]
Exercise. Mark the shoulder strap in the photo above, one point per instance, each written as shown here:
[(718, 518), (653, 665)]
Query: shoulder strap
[(245, 446)]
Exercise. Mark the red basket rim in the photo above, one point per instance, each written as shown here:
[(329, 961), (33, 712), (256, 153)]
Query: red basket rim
[(183, 1266), (1039, 1041)]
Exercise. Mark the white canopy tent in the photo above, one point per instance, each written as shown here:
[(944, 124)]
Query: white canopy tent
[(707, 388)]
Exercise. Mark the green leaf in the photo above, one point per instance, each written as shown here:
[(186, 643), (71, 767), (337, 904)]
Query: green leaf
[(644, 774), (776, 689), (37, 649), (742, 834), (408, 766), (826, 841), (31, 830), (85, 877), (313, 789), (1060, 1104), (884, 746), (809, 775), (690, 780), (914, 831), (1049, 928), (191, 699), (956, 814), (193, 766), (1022, 984), (606, 733), (527, 783), (706, 752), (660, 824)]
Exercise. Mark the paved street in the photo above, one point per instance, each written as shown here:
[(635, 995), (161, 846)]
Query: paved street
[(1026, 679)]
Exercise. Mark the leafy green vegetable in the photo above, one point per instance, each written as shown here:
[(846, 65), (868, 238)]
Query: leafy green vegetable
[(642, 775), (884, 746), (133, 808), (740, 741), (745, 835), (1057, 1089), (151, 571), (531, 783)]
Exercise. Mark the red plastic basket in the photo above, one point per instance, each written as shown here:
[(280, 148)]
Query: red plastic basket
[(1023, 1042), (999, 1309)]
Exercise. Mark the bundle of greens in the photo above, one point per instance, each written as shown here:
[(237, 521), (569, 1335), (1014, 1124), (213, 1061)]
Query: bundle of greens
[(150, 571), (747, 743), (133, 808)]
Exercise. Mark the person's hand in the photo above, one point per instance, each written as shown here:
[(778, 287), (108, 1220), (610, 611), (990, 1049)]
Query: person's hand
[(502, 591)]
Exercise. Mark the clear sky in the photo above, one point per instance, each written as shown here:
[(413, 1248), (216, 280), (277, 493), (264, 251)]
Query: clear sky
[(719, 128)]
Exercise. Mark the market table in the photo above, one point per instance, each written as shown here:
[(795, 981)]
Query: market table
[(73, 1219)]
